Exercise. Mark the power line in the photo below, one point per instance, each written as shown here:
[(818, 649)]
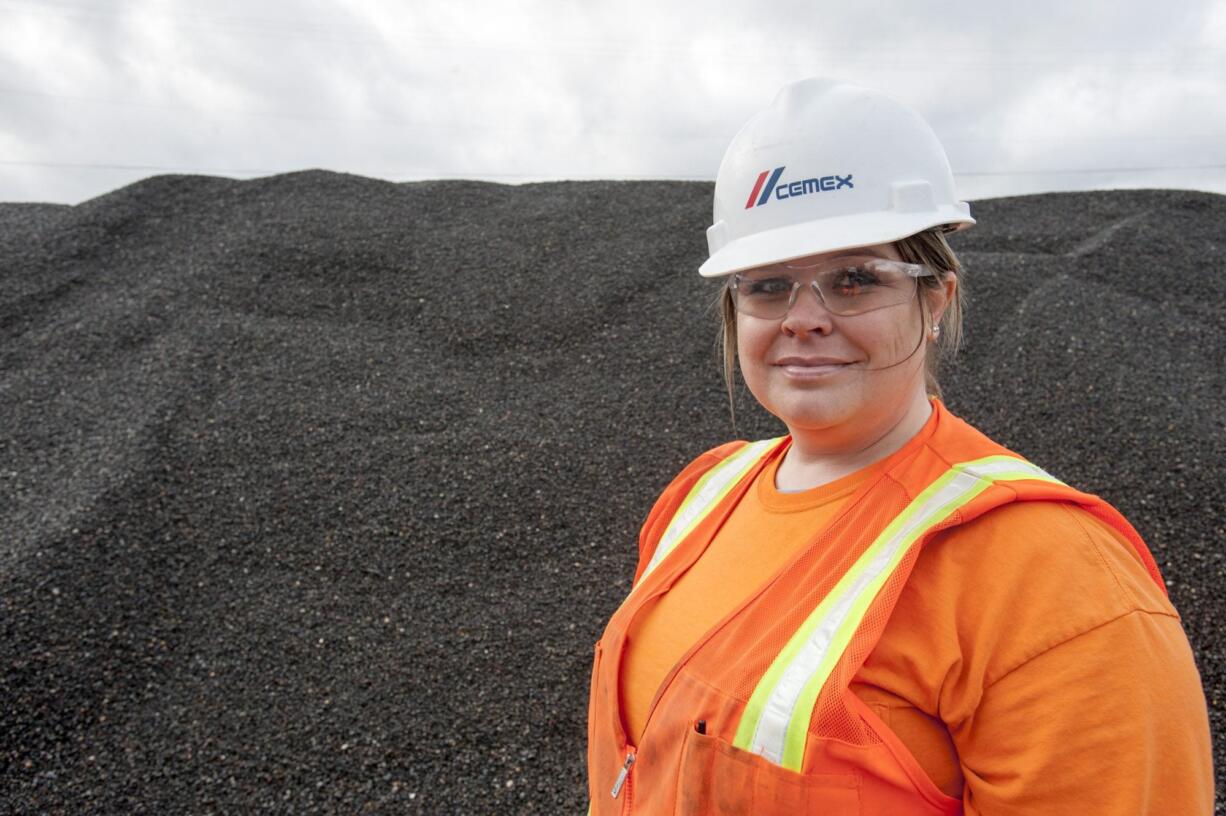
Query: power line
[(151, 167), (1079, 171), (414, 175), (606, 176), (1063, 139)]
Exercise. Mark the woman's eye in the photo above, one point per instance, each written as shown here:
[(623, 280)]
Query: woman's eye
[(769, 286), (854, 280)]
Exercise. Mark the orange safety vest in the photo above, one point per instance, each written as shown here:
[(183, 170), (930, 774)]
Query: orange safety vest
[(756, 717)]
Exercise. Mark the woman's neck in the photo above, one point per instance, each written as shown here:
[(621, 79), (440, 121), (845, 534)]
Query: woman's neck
[(814, 460)]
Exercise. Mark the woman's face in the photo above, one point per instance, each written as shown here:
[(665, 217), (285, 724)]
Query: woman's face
[(848, 379)]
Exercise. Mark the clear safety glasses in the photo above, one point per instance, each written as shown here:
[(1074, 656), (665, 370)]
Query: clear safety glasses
[(846, 286)]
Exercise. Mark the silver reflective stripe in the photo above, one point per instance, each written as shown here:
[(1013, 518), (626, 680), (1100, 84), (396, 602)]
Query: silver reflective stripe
[(1006, 468), (706, 494), (777, 716)]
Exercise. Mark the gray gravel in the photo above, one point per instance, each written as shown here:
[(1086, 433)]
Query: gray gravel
[(316, 490)]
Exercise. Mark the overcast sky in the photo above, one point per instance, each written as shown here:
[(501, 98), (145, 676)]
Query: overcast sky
[(1027, 97)]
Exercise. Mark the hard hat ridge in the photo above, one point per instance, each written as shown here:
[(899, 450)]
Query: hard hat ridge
[(828, 165)]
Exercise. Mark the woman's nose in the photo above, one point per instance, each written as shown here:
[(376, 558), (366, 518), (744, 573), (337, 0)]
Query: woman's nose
[(807, 312)]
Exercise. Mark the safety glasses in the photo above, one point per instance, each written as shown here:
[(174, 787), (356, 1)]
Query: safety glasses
[(845, 286)]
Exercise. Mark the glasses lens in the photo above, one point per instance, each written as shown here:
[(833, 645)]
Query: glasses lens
[(765, 293), (866, 286)]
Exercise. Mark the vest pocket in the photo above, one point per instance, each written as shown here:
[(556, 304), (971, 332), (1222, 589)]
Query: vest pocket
[(718, 778)]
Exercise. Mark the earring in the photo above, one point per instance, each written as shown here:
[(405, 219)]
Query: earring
[(936, 332)]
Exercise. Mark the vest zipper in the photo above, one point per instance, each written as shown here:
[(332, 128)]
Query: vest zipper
[(622, 774)]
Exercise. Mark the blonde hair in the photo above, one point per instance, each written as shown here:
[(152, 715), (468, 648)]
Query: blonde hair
[(928, 248)]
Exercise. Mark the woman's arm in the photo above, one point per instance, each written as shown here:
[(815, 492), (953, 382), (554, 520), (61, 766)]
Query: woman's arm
[(1073, 689), (1111, 722)]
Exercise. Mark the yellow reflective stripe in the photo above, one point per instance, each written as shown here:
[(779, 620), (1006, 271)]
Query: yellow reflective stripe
[(709, 490), (846, 617), (809, 653), (776, 718)]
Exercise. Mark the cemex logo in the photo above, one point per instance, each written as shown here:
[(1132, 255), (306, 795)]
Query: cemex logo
[(763, 188)]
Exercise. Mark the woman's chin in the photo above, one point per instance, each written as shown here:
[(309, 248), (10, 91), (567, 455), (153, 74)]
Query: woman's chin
[(815, 414)]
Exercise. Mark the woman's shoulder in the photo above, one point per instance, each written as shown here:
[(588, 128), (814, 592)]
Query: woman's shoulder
[(721, 452), (1030, 575), (704, 462), (1046, 547), (1025, 536), (681, 484)]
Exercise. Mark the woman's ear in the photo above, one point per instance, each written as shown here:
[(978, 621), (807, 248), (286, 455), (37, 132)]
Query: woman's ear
[(940, 297)]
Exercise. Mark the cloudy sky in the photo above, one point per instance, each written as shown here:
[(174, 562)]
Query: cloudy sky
[(1026, 97)]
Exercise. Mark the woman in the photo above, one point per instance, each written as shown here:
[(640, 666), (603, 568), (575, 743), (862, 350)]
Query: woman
[(882, 611)]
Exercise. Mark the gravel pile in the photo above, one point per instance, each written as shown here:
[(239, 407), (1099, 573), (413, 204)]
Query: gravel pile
[(315, 490)]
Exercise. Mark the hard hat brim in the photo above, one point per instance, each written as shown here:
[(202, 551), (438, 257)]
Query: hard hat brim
[(828, 235)]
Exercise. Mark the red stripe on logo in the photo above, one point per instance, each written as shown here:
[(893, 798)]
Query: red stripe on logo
[(757, 188)]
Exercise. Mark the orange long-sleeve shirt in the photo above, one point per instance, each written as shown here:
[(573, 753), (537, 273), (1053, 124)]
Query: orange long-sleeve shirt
[(1031, 665)]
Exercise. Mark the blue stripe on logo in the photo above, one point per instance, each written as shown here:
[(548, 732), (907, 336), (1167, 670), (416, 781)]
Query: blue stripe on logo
[(770, 185)]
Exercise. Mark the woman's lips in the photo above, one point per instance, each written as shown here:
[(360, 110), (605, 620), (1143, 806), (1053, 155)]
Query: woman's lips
[(813, 370), (810, 366)]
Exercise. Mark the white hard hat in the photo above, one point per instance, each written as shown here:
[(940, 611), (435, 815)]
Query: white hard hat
[(828, 166)]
